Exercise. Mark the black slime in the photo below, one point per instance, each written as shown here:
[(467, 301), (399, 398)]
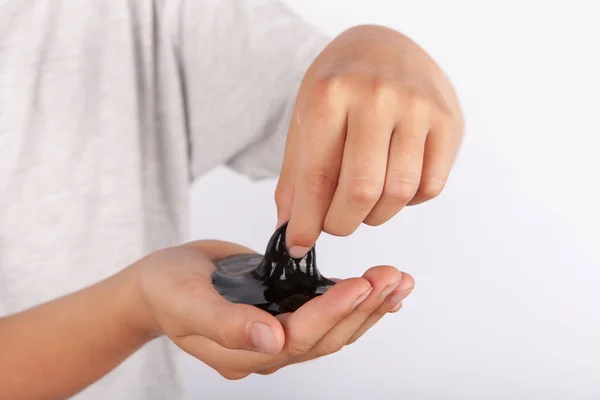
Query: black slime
[(274, 282)]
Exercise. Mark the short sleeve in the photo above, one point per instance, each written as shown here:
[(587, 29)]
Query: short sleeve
[(242, 63)]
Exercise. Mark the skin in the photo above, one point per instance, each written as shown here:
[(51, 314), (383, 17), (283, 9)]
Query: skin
[(170, 293), (376, 127)]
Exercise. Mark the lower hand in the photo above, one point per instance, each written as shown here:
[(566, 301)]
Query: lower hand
[(236, 339)]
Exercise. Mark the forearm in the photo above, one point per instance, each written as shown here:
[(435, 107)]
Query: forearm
[(56, 349)]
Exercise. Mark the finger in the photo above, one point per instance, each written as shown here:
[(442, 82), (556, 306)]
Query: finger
[(284, 192), (384, 280), (392, 303), (322, 131), (362, 175), (396, 308), (224, 361), (306, 326), (441, 149), (234, 326), (404, 166), (233, 364), (303, 328)]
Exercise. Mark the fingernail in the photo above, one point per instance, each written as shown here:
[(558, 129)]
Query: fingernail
[(396, 298), (362, 298), (262, 338), (298, 251), (389, 289)]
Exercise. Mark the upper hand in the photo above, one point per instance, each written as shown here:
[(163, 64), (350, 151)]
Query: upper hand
[(376, 127), (236, 339)]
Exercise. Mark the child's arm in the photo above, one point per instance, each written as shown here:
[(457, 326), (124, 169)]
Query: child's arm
[(54, 350)]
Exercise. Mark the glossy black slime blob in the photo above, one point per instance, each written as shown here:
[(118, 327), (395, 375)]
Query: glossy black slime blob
[(275, 282)]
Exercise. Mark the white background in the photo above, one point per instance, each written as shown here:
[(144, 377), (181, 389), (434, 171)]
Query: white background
[(506, 261)]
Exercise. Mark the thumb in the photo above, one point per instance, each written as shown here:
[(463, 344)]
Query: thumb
[(233, 326), (238, 326)]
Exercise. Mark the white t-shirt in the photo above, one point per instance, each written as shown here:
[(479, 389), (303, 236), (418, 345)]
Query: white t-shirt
[(108, 110)]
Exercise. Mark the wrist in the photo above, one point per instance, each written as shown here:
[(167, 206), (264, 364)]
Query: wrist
[(135, 313)]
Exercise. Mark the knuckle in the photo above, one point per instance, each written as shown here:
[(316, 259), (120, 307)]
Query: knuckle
[(227, 330), (416, 103), (232, 375), (329, 84), (298, 348), (432, 188), (412, 95), (223, 336), (268, 371), (448, 125), (337, 229), (384, 95), (320, 183), (400, 189), (376, 220), (281, 194), (327, 92), (364, 192), (328, 349), (379, 86)]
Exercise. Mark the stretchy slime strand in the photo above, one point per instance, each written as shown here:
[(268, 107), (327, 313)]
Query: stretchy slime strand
[(275, 282)]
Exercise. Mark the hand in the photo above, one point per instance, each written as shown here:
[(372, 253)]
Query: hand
[(237, 340), (376, 127)]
